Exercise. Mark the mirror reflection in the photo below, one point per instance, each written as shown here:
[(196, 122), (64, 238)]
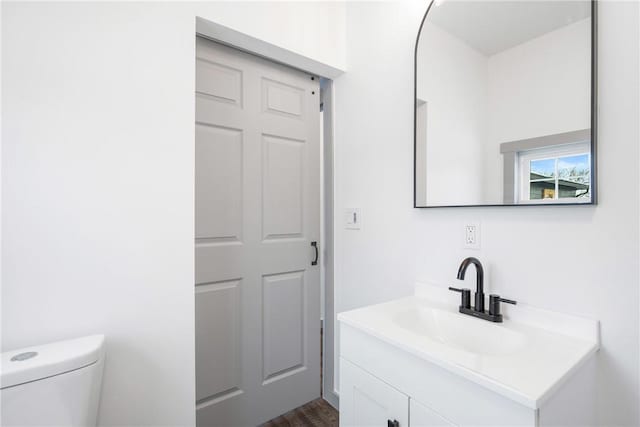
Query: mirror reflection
[(504, 104)]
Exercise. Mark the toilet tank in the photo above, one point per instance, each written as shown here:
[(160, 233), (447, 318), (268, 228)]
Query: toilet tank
[(56, 384)]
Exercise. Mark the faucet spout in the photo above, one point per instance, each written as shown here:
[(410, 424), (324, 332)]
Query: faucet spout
[(479, 295), (493, 315)]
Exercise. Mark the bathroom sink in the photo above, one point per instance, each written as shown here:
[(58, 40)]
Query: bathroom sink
[(460, 332), (524, 358)]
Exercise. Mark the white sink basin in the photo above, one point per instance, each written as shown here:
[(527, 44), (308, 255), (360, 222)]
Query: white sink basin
[(525, 358), (460, 331)]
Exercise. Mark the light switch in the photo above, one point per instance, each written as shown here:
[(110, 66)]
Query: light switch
[(352, 219)]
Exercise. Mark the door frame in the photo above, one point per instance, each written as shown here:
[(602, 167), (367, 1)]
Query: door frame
[(241, 41)]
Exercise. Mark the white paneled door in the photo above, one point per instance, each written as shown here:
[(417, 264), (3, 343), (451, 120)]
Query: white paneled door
[(257, 210)]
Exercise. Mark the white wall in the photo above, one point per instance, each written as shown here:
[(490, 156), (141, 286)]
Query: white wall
[(587, 256), (453, 81), (98, 175), (556, 68)]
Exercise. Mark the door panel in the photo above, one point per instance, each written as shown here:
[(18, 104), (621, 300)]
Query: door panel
[(283, 185), (218, 338), (283, 324), (280, 98), (218, 159), (257, 210)]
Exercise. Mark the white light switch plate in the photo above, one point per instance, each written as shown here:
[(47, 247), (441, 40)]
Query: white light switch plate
[(352, 219)]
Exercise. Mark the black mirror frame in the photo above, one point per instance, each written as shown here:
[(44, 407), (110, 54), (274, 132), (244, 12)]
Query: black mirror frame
[(594, 121)]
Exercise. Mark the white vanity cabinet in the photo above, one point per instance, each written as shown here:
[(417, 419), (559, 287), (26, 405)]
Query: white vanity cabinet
[(421, 416), (374, 374), (392, 376), (367, 401)]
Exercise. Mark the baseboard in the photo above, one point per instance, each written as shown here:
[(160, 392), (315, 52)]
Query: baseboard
[(332, 399)]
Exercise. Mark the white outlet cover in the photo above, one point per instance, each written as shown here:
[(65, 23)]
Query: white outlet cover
[(471, 230)]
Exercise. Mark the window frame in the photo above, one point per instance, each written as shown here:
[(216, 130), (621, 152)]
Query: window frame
[(556, 152)]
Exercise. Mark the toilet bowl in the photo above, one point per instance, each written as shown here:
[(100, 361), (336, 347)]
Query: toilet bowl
[(53, 384)]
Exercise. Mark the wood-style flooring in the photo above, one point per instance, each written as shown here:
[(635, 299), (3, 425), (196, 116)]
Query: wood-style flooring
[(317, 413)]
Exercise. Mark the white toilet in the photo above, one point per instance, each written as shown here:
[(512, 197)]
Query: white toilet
[(53, 384)]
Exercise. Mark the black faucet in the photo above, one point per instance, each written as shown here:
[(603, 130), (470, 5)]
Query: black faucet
[(493, 314), (462, 270)]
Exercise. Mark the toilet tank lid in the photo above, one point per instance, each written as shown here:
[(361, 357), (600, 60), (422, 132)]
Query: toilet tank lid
[(23, 366)]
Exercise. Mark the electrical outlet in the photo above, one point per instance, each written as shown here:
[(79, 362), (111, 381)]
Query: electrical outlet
[(472, 235)]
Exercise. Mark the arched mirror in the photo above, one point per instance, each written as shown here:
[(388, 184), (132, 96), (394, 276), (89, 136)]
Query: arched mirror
[(505, 104)]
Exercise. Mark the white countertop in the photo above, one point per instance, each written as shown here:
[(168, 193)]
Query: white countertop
[(549, 346)]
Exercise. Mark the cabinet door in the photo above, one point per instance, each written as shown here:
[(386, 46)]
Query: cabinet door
[(421, 416), (367, 401)]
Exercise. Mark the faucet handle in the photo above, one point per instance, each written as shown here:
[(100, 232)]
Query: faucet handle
[(508, 301), (466, 296), (494, 304)]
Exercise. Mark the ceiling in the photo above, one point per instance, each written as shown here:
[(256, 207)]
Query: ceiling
[(493, 26)]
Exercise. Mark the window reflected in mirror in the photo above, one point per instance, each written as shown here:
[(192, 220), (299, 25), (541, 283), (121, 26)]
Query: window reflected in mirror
[(553, 174)]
